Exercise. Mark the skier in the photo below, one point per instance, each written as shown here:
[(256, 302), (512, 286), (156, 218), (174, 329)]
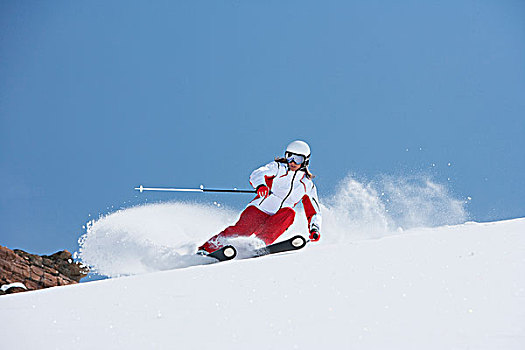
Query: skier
[(280, 186)]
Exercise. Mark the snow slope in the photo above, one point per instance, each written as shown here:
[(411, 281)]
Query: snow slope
[(450, 287)]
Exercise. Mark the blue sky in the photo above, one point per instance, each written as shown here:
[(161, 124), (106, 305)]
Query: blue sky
[(97, 97)]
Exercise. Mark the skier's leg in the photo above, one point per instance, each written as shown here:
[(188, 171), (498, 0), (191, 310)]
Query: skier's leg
[(275, 225), (250, 219)]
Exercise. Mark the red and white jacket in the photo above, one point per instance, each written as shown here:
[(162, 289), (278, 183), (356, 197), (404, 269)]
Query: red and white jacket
[(287, 189)]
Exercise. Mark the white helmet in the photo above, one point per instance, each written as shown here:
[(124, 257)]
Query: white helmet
[(299, 148)]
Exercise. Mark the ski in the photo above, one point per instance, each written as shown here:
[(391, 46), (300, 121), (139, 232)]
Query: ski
[(294, 243), (229, 252), (223, 254)]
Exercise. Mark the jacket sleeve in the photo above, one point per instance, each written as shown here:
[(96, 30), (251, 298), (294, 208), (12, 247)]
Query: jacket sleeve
[(259, 176), (312, 208)]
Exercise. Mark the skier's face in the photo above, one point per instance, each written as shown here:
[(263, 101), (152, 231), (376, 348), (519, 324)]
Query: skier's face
[(293, 166)]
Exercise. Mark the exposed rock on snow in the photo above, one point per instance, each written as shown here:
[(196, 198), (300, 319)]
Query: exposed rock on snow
[(19, 268)]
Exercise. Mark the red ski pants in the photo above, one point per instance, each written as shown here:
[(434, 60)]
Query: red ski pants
[(254, 221)]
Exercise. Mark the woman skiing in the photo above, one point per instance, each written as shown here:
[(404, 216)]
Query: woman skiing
[(280, 186)]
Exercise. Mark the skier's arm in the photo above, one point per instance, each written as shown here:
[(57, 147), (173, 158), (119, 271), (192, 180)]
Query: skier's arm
[(259, 176), (313, 212)]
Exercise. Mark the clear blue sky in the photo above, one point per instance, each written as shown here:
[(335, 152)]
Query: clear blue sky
[(99, 96)]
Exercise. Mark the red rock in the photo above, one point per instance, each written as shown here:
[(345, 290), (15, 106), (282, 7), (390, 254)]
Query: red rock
[(32, 285), (49, 280), (64, 281), (13, 290), (36, 273), (20, 271), (51, 271), (4, 264)]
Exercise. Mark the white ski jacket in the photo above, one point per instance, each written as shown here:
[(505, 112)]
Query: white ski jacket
[(287, 189)]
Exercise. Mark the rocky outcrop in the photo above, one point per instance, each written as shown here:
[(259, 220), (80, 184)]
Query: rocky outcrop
[(37, 271)]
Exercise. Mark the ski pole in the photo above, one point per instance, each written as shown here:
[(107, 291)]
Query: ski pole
[(201, 189)]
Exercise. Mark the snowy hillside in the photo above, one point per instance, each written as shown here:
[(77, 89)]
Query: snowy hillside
[(451, 287)]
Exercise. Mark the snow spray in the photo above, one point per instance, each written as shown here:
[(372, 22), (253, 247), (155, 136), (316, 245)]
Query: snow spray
[(161, 236)]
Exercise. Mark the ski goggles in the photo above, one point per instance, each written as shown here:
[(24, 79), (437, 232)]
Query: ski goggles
[(297, 159)]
